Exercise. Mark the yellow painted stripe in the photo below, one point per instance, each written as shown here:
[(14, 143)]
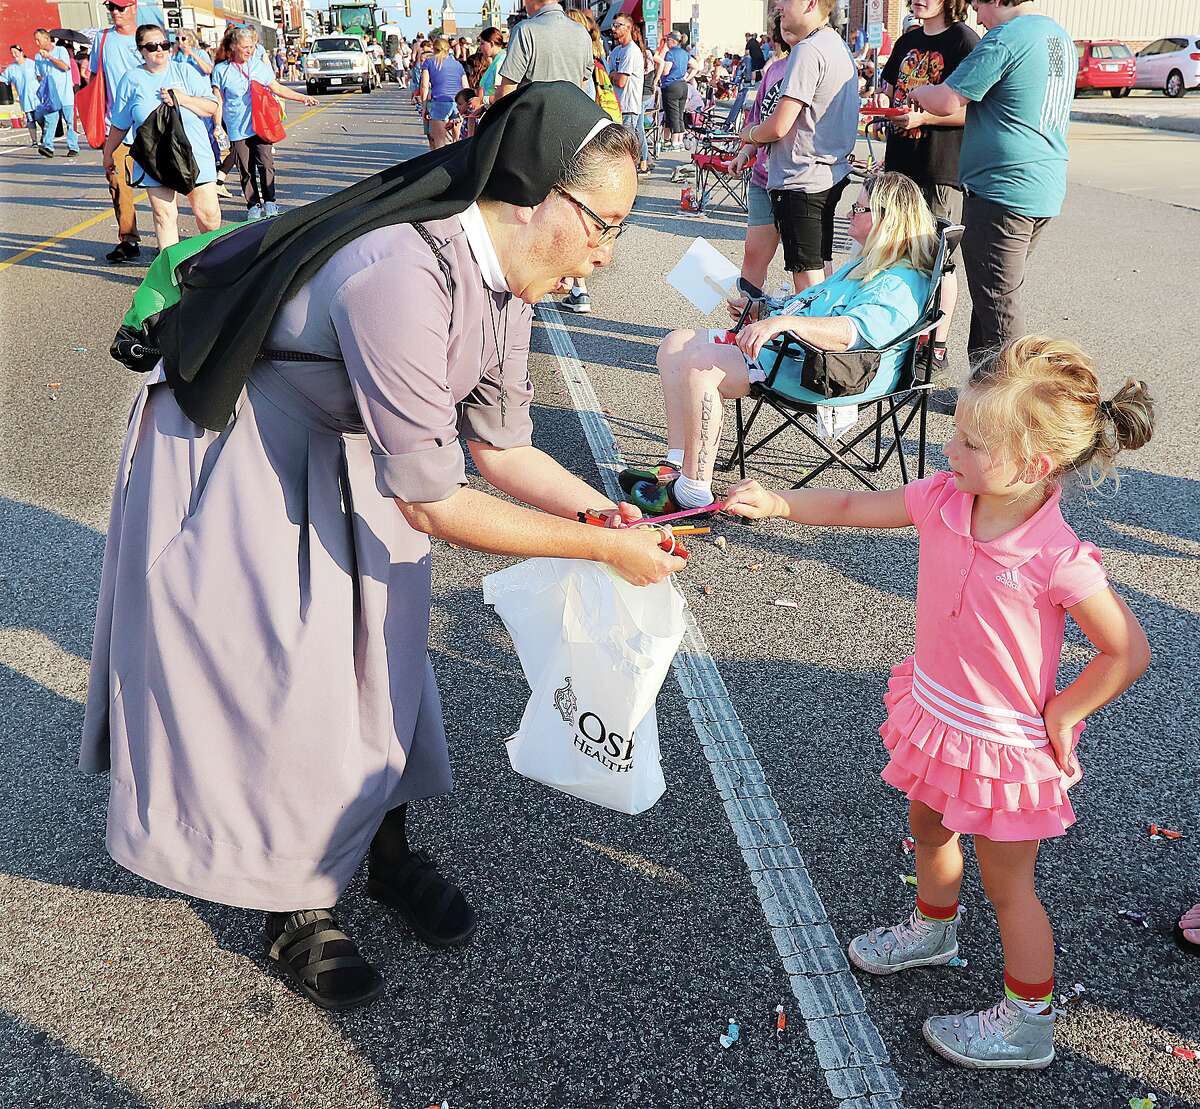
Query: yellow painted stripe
[(71, 232), (45, 244)]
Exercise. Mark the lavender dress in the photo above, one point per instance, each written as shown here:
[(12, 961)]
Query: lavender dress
[(261, 692)]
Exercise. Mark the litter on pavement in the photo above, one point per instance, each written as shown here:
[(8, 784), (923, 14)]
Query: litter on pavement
[(731, 1034), (1073, 995), (780, 1021), (783, 602), (720, 542), (908, 845), (957, 961), (1137, 918), (908, 879), (1180, 1052), (1164, 833), (1146, 1102)]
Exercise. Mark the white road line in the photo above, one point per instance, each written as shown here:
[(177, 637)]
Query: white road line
[(848, 1045)]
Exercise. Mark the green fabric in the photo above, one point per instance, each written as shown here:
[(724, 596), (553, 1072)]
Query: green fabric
[(159, 289)]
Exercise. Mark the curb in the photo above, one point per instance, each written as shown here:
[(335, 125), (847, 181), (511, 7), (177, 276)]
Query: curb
[(1153, 123)]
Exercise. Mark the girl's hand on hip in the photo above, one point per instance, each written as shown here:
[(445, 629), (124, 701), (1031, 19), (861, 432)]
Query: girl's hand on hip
[(748, 498), (1061, 734)]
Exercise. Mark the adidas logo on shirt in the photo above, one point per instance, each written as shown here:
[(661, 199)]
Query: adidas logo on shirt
[(1010, 578)]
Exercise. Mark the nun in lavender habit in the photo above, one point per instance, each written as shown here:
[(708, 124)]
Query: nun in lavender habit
[(261, 693)]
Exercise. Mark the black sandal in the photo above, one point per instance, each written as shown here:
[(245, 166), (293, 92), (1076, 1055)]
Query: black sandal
[(434, 908), (300, 950)]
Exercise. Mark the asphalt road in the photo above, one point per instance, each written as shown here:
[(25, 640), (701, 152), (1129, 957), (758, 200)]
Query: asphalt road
[(613, 949)]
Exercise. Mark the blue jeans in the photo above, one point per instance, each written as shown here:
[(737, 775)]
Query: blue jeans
[(50, 127), (633, 122)]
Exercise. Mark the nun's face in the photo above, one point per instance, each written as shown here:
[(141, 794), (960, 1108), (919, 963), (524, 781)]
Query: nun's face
[(572, 232)]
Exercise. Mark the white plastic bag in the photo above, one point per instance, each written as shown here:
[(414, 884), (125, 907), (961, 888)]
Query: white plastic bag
[(595, 651)]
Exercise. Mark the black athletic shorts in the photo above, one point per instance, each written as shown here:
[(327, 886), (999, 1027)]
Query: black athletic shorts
[(805, 225)]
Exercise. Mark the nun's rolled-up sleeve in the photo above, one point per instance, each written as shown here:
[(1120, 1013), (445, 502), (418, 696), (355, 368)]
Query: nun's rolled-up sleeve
[(392, 320), (497, 410)]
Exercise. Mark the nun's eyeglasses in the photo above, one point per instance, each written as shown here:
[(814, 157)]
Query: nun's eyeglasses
[(609, 232)]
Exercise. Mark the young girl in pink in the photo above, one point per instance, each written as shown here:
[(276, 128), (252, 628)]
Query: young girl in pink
[(981, 741)]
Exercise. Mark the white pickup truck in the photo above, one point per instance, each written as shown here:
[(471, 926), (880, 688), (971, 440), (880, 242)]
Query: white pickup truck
[(338, 61)]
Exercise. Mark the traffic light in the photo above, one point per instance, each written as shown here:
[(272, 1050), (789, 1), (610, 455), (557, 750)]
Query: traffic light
[(280, 16), (429, 16)]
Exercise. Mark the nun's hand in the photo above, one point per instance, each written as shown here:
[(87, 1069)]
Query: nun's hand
[(635, 554)]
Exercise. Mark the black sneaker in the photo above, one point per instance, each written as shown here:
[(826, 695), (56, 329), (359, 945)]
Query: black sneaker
[(72, 153), (45, 152), (123, 253)]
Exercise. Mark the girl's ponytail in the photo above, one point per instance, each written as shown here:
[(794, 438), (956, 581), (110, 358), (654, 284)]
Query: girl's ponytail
[(1041, 395)]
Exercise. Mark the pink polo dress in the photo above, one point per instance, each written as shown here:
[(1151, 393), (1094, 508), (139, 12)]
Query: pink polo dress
[(964, 724)]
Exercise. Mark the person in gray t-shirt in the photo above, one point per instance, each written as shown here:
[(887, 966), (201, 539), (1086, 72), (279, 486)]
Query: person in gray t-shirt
[(546, 47), (811, 135)]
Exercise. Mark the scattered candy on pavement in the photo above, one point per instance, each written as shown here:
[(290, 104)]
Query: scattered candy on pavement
[(783, 602), (1147, 1102), (780, 1020), (1164, 833), (707, 590), (731, 1034), (957, 961), (720, 542), (908, 845), (1180, 1052), (1076, 992), (908, 879), (1137, 918)]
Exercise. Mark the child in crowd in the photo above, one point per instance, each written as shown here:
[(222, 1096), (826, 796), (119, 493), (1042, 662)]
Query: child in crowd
[(469, 105), (981, 742)]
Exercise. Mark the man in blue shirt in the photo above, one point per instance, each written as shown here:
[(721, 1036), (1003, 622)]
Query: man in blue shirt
[(22, 77), (1017, 86), (114, 49), (53, 67)]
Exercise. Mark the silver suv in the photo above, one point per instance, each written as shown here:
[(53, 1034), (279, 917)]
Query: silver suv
[(338, 61)]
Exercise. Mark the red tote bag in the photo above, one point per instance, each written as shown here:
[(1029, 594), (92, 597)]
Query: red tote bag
[(266, 117), (91, 102)]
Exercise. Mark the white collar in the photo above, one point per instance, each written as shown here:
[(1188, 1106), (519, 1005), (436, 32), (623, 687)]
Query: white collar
[(483, 249)]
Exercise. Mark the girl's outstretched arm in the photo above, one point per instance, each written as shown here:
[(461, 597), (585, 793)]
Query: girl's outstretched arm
[(1124, 655), (819, 506)]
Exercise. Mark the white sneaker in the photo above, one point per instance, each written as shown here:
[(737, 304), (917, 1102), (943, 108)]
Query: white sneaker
[(255, 212), (270, 209)]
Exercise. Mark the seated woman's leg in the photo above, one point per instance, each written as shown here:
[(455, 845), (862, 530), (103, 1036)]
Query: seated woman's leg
[(698, 375)]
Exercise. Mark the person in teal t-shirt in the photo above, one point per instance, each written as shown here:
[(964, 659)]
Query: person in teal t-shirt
[(22, 78), (1017, 86)]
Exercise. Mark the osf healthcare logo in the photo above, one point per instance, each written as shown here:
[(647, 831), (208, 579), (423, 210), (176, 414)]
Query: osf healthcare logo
[(612, 751)]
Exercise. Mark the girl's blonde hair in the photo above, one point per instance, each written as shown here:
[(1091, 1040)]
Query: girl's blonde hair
[(441, 48), (588, 22), (1039, 395), (903, 229)]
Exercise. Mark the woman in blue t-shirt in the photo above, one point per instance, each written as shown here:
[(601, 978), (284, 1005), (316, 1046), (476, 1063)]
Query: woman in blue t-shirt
[(233, 81), (441, 78), (673, 74), (869, 302), (159, 80)]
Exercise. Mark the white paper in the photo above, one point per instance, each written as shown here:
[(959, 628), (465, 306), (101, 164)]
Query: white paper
[(834, 420), (704, 276)]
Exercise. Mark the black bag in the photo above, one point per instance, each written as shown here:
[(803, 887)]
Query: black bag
[(162, 150)]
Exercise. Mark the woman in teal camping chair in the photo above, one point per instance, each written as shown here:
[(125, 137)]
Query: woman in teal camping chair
[(869, 302)]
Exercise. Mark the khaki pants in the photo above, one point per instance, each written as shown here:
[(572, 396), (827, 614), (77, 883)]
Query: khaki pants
[(122, 193)]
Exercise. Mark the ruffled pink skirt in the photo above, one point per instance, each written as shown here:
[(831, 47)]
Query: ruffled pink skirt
[(980, 786)]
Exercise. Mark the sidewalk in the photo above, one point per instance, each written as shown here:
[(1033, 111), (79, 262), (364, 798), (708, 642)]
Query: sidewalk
[(1142, 108)]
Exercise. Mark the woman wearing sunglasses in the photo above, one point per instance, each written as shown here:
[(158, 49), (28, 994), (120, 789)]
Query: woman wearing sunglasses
[(159, 80), (869, 301)]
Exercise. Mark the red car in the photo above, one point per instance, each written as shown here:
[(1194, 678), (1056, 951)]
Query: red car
[(1105, 65)]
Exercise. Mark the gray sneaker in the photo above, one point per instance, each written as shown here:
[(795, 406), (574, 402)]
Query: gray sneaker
[(916, 942), (1004, 1036)]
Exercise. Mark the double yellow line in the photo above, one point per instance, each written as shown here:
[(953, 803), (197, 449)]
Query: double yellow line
[(71, 232)]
